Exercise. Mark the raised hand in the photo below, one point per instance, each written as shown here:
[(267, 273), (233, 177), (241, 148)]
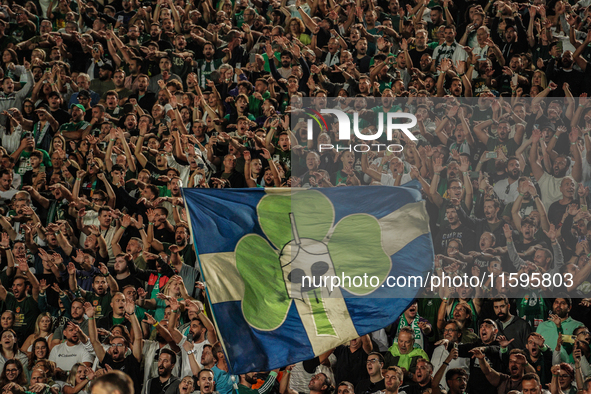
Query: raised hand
[(103, 268), (551, 233), (89, 309), (477, 353)]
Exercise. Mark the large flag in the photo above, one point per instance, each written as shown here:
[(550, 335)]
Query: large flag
[(256, 247)]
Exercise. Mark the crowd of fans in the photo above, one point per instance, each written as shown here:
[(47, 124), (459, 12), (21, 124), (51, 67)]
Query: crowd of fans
[(109, 109)]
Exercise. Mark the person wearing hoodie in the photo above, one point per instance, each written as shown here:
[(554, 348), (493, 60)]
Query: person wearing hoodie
[(403, 354)]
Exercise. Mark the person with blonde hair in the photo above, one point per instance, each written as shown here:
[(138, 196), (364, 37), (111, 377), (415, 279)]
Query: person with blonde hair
[(43, 329), (79, 379)]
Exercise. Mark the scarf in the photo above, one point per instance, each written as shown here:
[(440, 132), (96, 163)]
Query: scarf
[(415, 327), (41, 131)]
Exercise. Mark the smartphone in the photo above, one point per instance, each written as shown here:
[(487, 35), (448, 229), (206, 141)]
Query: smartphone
[(41, 168), (514, 79), (110, 26), (456, 345), (48, 70), (200, 166), (474, 175), (301, 120), (568, 338), (28, 135), (491, 155), (253, 58), (496, 265), (120, 18)]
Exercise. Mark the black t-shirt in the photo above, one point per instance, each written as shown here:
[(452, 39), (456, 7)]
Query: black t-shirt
[(555, 212), (366, 386), (164, 235), (154, 170), (350, 366), (61, 116), (463, 233), (130, 280), (129, 365), (415, 55)]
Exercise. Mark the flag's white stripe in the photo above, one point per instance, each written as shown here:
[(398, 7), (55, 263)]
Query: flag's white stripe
[(223, 279), (338, 315), (403, 226)]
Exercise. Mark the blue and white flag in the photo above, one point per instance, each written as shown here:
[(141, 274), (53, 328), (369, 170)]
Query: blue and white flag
[(264, 253)]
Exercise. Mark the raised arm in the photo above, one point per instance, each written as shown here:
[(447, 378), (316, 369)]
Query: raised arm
[(92, 332), (365, 168), (536, 168), (492, 376)]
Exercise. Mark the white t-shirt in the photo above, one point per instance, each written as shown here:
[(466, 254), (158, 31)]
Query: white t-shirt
[(198, 347), (388, 180), (507, 193), (550, 188), (66, 356)]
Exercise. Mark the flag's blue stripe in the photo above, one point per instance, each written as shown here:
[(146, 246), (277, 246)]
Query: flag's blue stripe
[(219, 218), (378, 201), (384, 305), (250, 349)]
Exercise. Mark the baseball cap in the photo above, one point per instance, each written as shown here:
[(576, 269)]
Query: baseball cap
[(79, 106), (84, 93), (489, 321)]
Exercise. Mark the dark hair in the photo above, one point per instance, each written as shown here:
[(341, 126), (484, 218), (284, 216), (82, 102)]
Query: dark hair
[(531, 376), (32, 357), (450, 374), (203, 370), (500, 298), (171, 354), (565, 296), (103, 209), (21, 379), (380, 357)]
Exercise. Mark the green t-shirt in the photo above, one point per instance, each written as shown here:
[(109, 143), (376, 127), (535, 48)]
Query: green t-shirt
[(508, 147), (23, 164), (26, 313), (102, 304), (71, 126), (283, 156)]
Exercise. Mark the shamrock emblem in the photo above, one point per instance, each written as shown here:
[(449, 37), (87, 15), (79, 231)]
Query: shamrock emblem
[(304, 242)]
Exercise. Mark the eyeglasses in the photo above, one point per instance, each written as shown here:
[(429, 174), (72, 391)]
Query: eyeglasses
[(461, 379), (372, 361), (564, 376), (118, 345)]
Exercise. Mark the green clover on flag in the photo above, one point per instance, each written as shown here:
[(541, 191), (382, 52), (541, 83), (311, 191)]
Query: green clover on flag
[(304, 242)]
